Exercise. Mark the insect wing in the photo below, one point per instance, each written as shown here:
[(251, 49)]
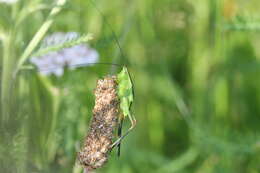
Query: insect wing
[(125, 91)]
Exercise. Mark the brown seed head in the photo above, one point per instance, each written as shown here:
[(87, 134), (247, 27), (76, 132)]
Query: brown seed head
[(101, 132)]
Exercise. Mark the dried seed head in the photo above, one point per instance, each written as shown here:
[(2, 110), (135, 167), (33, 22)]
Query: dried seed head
[(101, 132)]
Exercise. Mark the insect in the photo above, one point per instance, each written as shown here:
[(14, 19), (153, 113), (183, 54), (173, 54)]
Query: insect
[(126, 97), (114, 97), (125, 94)]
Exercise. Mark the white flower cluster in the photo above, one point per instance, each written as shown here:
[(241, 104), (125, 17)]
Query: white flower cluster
[(8, 1), (55, 62)]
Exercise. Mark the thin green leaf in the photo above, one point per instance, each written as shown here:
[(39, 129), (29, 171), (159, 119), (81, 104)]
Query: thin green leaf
[(40, 34), (70, 43)]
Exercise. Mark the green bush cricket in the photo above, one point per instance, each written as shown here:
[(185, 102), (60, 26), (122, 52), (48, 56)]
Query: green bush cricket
[(126, 96)]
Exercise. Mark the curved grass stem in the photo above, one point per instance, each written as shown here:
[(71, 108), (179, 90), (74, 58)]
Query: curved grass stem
[(39, 35)]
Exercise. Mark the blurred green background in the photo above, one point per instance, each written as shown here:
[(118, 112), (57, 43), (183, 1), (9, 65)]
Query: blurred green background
[(195, 67)]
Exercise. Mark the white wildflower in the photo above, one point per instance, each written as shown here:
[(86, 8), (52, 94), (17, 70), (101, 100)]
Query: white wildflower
[(55, 62), (8, 1)]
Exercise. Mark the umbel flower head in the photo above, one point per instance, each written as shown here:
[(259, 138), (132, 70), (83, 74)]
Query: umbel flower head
[(54, 62)]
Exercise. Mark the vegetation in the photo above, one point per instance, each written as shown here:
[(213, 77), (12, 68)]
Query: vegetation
[(194, 66)]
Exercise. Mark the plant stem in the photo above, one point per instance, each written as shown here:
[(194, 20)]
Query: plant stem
[(6, 78), (39, 35)]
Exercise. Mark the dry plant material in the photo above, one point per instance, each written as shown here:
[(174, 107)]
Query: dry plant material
[(99, 139)]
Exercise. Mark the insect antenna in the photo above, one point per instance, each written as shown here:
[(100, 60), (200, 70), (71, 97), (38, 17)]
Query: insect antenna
[(110, 28), (83, 65)]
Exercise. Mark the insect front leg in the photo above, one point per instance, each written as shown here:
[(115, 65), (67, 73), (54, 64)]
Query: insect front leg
[(133, 124)]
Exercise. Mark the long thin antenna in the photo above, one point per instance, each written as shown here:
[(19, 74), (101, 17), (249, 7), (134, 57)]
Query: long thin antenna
[(81, 65), (114, 37), (111, 29)]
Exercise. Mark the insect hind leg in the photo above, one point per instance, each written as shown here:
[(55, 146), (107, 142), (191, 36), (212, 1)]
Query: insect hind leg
[(133, 124), (119, 134)]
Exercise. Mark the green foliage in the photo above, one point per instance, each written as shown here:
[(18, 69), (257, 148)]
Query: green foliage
[(195, 66), (241, 23)]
